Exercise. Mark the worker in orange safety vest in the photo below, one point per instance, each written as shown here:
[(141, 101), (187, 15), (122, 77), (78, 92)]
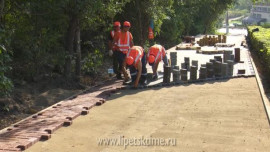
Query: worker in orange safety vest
[(136, 61), (155, 54), (123, 41), (112, 49)]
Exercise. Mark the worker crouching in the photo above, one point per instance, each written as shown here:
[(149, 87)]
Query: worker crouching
[(155, 54), (136, 61)]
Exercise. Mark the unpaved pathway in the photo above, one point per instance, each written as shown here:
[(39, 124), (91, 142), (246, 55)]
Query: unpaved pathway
[(219, 116)]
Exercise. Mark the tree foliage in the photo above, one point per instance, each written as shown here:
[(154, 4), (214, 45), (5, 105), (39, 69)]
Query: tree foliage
[(55, 36)]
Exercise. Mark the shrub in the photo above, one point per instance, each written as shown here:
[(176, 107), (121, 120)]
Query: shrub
[(92, 61), (5, 83), (260, 43)]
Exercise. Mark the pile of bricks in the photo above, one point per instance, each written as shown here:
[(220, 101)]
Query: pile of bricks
[(212, 40)]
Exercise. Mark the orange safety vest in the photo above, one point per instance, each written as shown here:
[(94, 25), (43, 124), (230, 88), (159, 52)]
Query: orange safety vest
[(158, 51), (123, 42), (112, 35), (136, 52)]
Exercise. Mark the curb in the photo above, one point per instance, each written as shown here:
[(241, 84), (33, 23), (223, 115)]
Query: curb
[(265, 100)]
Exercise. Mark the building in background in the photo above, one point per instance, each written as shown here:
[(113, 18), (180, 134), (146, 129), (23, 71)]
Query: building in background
[(259, 13)]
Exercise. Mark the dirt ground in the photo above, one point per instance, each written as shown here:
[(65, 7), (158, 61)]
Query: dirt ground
[(28, 98), (219, 116)]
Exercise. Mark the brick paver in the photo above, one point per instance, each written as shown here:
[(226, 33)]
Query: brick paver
[(40, 126)]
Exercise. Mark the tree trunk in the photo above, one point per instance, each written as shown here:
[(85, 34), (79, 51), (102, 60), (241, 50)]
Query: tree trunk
[(140, 22), (2, 5), (70, 45), (78, 51)]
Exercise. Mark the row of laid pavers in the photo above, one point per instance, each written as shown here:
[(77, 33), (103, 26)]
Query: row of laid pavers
[(40, 126)]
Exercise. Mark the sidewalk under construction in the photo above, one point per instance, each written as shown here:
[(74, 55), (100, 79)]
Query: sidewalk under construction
[(219, 116)]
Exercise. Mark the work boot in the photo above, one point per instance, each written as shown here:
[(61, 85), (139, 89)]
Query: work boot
[(128, 82), (155, 77), (143, 83)]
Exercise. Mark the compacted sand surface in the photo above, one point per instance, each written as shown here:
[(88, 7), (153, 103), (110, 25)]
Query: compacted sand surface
[(217, 116)]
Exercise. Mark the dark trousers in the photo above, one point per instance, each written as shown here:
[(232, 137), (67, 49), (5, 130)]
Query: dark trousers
[(120, 58), (134, 71), (116, 67)]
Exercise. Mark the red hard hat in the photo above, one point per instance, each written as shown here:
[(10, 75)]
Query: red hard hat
[(126, 23), (117, 24), (129, 60), (151, 59)]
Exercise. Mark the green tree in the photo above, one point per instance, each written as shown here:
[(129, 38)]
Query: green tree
[(140, 12), (46, 34)]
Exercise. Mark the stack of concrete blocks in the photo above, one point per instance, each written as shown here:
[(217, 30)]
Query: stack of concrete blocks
[(176, 75), (232, 57), (173, 56), (217, 69), (224, 69), (203, 73), (193, 72), (167, 74), (210, 69), (230, 67), (237, 54), (195, 63), (203, 65), (176, 67), (227, 55), (187, 63), (183, 73), (218, 58), (212, 61), (183, 66)]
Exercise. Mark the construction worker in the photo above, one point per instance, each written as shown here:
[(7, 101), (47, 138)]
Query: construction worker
[(112, 49), (136, 61), (123, 41), (155, 54)]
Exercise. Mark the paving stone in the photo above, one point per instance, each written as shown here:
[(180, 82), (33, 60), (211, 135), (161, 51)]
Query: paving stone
[(217, 69), (173, 57), (167, 74), (193, 73), (218, 58), (183, 73), (195, 63), (187, 63), (224, 69), (176, 75), (237, 54), (227, 55), (203, 73)]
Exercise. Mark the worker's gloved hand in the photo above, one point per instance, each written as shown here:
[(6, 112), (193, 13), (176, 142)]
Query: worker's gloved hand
[(110, 52)]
